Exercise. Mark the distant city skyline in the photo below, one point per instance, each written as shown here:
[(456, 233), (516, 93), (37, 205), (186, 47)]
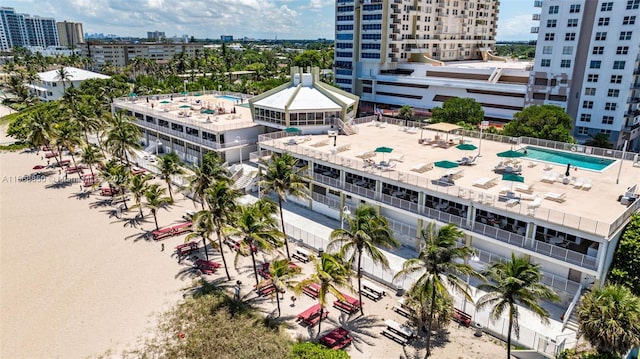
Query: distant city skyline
[(260, 19)]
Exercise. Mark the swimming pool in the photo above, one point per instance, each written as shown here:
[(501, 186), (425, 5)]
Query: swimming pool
[(230, 98), (563, 158)]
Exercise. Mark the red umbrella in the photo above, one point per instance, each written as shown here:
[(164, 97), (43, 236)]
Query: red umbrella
[(39, 167)]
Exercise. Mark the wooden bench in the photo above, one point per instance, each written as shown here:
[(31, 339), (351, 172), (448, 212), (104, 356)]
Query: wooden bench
[(301, 255), (405, 312), (461, 317), (395, 337), (186, 248), (397, 332)]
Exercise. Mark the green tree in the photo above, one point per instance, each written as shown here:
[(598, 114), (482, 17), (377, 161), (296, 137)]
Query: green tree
[(513, 283), (69, 136), (459, 109), (308, 350), (138, 187), (406, 112), (155, 200), (308, 58), (169, 165), (283, 177), (419, 300), (282, 275), (366, 231), (626, 261), (257, 228), (331, 274), (437, 264), (599, 140), (91, 156), (122, 136), (62, 74), (610, 319), (547, 121)]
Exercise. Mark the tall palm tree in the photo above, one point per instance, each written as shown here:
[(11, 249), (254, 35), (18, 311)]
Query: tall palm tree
[(138, 187), (199, 181), (67, 135), (91, 156), (437, 265), (156, 200), (39, 130), (406, 113), (610, 319), (331, 274), (169, 165), (282, 275), (63, 75), (222, 204), (284, 178), (366, 231), (512, 283), (258, 229), (122, 136)]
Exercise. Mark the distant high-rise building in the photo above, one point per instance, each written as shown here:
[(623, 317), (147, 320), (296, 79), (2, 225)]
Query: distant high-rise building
[(226, 38), (373, 35), (155, 35), (587, 61), (26, 30), (70, 33)]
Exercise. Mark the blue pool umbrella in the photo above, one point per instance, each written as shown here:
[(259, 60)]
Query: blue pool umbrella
[(511, 154), (445, 164)]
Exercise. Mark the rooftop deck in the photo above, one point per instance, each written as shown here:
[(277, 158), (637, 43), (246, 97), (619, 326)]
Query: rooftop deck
[(596, 211)]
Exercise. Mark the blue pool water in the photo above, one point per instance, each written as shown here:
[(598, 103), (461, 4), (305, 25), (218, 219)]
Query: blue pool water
[(563, 158), (230, 98)]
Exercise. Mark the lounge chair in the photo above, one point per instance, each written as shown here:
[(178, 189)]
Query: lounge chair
[(587, 184), (521, 187), (456, 174), (499, 167), (472, 162), (556, 197), (549, 177), (578, 183), (463, 161), (534, 205), (397, 159), (485, 182)]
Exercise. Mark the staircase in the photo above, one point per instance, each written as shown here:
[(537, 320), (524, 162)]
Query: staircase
[(245, 180), (347, 129), (572, 323)]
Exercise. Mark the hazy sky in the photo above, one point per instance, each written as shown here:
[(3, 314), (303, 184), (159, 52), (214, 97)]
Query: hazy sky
[(284, 19)]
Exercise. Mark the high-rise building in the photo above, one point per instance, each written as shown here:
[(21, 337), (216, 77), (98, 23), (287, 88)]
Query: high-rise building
[(70, 33), (26, 30), (226, 38), (155, 35), (587, 61), (373, 35)]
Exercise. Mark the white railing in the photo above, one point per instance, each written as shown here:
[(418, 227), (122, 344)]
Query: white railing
[(572, 305)]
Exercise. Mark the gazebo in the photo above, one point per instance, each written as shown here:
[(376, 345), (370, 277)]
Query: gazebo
[(441, 127)]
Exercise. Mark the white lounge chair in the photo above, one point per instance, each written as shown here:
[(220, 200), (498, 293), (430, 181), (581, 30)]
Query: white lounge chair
[(499, 167), (587, 184), (521, 187), (578, 183), (485, 182), (556, 197), (549, 177), (534, 204)]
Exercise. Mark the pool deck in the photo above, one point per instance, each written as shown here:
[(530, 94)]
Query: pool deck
[(592, 211)]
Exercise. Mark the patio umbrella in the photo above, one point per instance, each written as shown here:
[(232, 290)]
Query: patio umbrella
[(184, 93), (512, 178), (291, 130), (511, 154), (198, 94), (445, 164), (466, 147), (185, 106), (165, 102), (133, 94), (383, 150)]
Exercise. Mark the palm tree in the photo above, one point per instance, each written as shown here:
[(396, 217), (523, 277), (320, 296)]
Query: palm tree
[(512, 283), (282, 275), (156, 200), (406, 112), (222, 202), (419, 300), (138, 187), (210, 171), (438, 265), (330, 273), (39, 130), (284, 178), (91, 156), (122, 137), (610, 319), (63, 75), (68, 135), (169, 165), (258, 229), (366, 231)]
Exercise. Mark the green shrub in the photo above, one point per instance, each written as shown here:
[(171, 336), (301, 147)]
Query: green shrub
[(308, 350), (18, 146)]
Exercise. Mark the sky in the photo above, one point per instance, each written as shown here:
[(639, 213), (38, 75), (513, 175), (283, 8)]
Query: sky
[(261, 19)]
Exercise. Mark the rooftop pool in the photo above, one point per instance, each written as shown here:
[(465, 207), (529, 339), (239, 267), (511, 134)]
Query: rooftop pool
[(230, 98), (563, 158)]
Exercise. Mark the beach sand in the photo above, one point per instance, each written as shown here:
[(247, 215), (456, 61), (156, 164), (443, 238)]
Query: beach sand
[(79, 282)]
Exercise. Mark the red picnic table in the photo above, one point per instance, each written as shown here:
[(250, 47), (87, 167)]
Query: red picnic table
[(107, 191), (137, 171), (207, 267), (50, 154), (90, 179), (186, 248), (311, 290), (311, 316), (349, 305), (171, 231), (336, 339), (75, 169), (265, 288)]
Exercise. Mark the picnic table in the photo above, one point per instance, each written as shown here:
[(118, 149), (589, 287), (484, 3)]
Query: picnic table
[(171, 231), (207, 267), (107, 191), (349, 305), (336, 339), (372, 291), (311, 290), (397, 332), (311, 316), (89, 179), (50, 154), (186, 248), (301, 254), (75, 169), (265, 288), (236, 246), (461, 317)]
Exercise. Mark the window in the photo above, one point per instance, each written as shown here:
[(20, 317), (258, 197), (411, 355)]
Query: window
[(572, 23), (587, 104), (565, 63), (601, 36), (538, 96), (597, 50), (545, 63), (618, 65), (549, 37), (610, 106), (595, 64), (554, 9), (569, 36), (547, 50), (613, 93), (629, 20), (607, 120), (626, 35), (372, 27), (633, 4), (574, 8), (616, 79), (567, 50), (552, 23), (344, 36), (585, 117), (622, 50), (590, 91), (606, 132), (592, 77), (606, 6), (583, 130), (603, 21)]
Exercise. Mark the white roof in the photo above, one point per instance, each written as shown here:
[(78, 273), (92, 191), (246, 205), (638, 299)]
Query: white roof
[(75, 74), (307, 98)]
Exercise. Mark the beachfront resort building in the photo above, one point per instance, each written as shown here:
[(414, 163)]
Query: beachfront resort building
[(588, 62), (26, 30), (49, 85), (120, 54)]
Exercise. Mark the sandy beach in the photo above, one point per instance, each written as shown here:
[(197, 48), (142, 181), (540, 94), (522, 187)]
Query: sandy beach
[(78, 282)]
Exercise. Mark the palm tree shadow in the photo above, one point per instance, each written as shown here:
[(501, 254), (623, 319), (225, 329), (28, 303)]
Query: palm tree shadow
[(188, 271), (81, 195), (361, 328), (416, 347), (141, 236), (60, 184), (101, 202), (272, 321), (134, 221)]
